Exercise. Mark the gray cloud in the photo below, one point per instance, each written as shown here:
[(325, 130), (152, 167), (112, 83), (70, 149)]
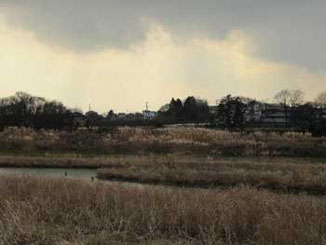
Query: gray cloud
[(290, 31)]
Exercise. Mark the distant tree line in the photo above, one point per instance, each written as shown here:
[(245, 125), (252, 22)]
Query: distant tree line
[(192, 110), (24, 110), (289, 112), (234, 113)]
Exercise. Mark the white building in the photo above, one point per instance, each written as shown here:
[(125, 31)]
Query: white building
[(149, 114)]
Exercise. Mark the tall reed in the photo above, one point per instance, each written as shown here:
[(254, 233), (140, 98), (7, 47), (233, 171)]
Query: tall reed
[(127, 140), (50, 211)]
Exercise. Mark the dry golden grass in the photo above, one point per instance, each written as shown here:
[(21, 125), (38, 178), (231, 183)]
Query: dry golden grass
[(279, 176), (61, 211), (127, 140)]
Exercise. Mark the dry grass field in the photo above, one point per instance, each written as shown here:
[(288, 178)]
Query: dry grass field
[(277, 174), (61, 211), (127, 140), (258, 188)]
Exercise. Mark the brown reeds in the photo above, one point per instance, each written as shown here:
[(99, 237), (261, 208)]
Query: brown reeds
[(279, 176), (59, 211), (127, 140)]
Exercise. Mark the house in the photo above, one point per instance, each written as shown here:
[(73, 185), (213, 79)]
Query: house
[(274, 115), (149, 114), (253, 113)]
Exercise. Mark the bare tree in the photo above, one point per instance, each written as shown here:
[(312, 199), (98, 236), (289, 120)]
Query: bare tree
[(283, 97), (321, 99), (288, 97), (296, 97)]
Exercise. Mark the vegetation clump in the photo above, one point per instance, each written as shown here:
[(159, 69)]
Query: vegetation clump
[(170, 140), (280, 176), (51, 211)]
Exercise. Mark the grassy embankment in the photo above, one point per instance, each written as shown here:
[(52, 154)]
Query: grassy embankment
[(278, 174), (59, 211), (290, 162), (182, 141), (290, 175)]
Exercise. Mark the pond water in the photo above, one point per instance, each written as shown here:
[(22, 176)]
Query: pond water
[(87, 174), (72, 173)]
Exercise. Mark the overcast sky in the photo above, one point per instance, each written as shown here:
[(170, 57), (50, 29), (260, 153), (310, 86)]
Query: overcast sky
[(118, 54)]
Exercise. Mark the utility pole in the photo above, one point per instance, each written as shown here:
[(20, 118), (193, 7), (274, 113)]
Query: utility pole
[(146, 112)]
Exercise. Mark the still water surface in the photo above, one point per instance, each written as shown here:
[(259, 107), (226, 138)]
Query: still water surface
[(87, 174), (72, 173)]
